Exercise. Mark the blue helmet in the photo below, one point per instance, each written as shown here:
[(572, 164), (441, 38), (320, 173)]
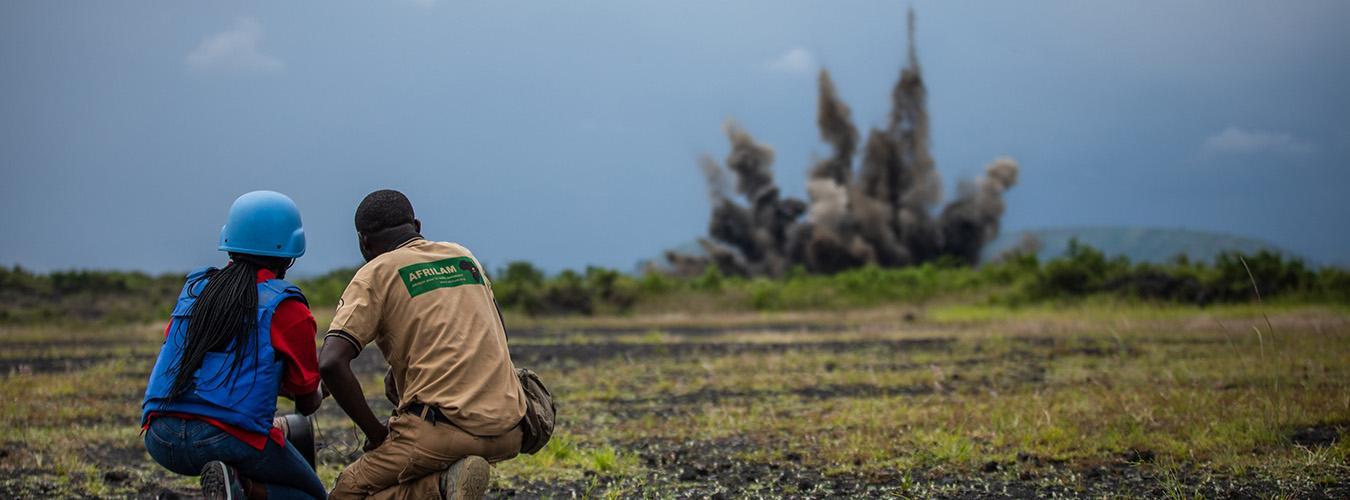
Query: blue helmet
[(264, 223)]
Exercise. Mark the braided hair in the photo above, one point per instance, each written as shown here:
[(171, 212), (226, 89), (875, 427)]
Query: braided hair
[(224, 317)]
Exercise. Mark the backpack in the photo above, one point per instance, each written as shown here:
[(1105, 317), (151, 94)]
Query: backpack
[(540, 412)]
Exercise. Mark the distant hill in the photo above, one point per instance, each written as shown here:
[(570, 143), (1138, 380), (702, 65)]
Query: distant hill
[(1140, 244)]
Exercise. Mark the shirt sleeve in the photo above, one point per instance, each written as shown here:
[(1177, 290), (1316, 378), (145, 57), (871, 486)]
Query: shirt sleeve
[(293, 330), (358, 313)]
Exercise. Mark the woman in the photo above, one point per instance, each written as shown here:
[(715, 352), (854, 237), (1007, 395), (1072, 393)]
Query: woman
[(239, 337)]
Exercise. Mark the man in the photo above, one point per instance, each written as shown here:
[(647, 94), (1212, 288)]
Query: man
[(430, 309)]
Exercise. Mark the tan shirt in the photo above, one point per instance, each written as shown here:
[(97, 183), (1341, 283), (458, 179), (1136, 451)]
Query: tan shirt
[(430, 309)]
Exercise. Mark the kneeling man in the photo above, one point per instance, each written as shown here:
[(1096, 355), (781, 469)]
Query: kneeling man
[(430, 309)]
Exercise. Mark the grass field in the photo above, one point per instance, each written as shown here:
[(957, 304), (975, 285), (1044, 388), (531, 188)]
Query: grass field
[(954, 401)]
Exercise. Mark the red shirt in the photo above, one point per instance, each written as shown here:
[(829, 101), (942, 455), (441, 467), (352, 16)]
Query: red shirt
[(293, 330)]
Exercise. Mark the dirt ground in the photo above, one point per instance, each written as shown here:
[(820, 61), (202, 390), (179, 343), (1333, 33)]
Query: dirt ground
[(905, 402)]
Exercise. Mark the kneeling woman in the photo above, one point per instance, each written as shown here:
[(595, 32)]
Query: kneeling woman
[(239, 337)]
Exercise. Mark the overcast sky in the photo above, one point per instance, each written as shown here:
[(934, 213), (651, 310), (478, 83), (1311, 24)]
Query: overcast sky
[(566, 133)]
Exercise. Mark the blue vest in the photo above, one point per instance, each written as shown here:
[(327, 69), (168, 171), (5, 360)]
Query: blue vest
[(248, 398)]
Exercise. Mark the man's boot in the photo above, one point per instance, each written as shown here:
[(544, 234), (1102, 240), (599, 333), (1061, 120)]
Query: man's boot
[(466, 480)]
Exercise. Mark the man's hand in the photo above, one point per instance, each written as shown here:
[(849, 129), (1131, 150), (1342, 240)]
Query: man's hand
[(375, 441), (336, 369)]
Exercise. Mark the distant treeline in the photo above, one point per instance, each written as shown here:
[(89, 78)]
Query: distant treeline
[(1016, 279), (116, 296), (112, 296)]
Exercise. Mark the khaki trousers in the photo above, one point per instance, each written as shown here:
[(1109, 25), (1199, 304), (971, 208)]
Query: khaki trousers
[(406, 464)]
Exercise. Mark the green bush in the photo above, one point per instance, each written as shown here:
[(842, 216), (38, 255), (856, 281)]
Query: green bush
[(655, 282), (1084, 271), (616, 290), (519, 286), (1333, 284), (566, 293), (1271, 273), (711, 280), (523, 287), (326, 289)]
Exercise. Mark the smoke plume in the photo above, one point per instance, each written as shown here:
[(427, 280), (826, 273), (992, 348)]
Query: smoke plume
[(882, 216)]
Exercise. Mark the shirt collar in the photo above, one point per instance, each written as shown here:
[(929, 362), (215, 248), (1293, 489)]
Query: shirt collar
[(411, 241)]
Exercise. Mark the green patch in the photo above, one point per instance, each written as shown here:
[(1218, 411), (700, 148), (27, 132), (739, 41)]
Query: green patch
[(448, 273)]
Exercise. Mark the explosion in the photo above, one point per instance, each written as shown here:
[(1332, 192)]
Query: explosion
[(882, 216)]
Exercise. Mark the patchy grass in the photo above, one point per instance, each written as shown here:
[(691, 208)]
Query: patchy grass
[(950, 400)]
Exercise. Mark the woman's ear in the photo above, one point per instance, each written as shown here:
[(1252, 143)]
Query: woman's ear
[(417, 225)]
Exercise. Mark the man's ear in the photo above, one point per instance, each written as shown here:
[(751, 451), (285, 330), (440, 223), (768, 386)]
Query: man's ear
[(417, 225), (363, 244)]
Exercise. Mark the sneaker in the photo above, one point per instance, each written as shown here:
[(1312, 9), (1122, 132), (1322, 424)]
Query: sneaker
[(220, 482), (466, 480)]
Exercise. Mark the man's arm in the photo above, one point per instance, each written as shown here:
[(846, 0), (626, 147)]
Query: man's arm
[(335, 366)]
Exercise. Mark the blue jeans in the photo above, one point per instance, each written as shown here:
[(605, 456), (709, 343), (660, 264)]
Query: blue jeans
[(185, 446)]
